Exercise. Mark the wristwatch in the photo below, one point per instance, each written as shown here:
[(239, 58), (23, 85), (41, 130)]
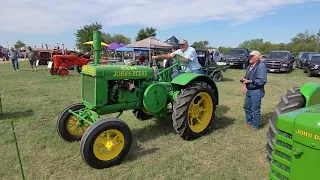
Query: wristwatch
[(250, 81)]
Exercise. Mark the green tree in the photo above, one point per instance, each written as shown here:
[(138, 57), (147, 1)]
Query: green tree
[(107, 38), (224, 50), (85, 34), (145, 33), (200, 44), (119, 38), (252, 44), (19, 44)]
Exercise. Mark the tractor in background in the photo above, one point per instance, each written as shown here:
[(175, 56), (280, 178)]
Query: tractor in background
[(63, 63), (211, 67), (190, 100), (293, 139)]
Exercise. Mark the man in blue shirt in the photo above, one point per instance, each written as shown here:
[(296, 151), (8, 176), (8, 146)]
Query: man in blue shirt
[(14, 55), (254, 82), (190, 59)]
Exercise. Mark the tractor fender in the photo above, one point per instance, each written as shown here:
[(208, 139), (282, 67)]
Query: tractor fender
[(187, 78), (311, 92)]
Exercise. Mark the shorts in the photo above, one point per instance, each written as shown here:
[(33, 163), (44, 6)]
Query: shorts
[(32, 62)]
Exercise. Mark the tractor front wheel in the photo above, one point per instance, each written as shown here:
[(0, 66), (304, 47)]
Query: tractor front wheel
[(63, 72), (217, 77), (142, 114), (193, 111), (106, 143), (68, 124), (293, 100), (53, 71)]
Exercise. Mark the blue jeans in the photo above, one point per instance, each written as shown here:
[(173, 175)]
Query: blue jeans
[(252, 106), (177, 73), (15, 64)]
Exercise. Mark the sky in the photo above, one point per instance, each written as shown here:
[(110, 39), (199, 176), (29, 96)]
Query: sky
[(221, 22)]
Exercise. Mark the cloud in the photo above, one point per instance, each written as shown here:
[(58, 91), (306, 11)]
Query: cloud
[(47, 16)]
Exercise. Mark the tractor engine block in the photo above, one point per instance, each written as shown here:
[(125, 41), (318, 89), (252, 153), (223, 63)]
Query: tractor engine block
[(123, 91)]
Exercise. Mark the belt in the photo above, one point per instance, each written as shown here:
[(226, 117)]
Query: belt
[(254, 88)]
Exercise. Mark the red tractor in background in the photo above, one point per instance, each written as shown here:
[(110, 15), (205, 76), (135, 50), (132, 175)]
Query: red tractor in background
[(63, 63)]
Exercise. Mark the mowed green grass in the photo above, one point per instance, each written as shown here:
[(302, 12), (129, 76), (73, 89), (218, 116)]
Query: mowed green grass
[(33, 100)]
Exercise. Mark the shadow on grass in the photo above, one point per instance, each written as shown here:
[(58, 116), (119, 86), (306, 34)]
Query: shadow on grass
[(227, 79), (164, 127), (159, 128), (265, 118), (18, 114)]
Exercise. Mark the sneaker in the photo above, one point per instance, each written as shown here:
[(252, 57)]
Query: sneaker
[(17, 69), (255, 128)]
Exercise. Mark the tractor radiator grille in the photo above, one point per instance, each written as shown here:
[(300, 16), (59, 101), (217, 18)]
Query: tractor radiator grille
[(281, 156), (88, 89)]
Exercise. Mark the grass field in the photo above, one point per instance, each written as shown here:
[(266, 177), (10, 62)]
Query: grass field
[(33, 100)]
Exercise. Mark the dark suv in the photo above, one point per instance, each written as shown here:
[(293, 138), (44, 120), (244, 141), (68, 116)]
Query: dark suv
[(237, 57), (312, 65), (279, 61), (302, 59)]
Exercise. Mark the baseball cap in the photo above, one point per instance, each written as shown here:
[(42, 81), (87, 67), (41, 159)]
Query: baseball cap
[(255, 53), (183, 41)]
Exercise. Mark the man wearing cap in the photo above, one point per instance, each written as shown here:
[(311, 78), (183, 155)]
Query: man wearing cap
[(254, 82), (32, 58), (190, 55)]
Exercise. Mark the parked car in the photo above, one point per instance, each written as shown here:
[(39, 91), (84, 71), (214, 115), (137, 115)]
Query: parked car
[(312, 65), (301, 59), (279, 61), (238, 57)]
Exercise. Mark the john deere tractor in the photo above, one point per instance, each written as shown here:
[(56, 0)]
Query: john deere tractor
[(293, 139), (190, 100)]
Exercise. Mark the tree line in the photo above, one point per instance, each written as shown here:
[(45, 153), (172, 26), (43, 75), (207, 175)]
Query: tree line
[(303, 41)]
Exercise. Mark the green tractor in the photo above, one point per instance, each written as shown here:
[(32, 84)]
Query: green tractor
[(190, 100), (293, 139)]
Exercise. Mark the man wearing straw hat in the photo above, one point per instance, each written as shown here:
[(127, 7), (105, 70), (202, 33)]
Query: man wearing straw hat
[(254, 82), (190, 55)]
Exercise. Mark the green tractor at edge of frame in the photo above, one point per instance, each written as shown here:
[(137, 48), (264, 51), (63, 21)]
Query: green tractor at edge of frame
[(293, 139), (190, 100)]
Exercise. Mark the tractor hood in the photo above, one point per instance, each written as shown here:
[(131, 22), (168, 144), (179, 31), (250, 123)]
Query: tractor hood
[(303, 124), (116, 72)]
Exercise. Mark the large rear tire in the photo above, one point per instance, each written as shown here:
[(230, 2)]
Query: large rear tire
[(293, 100), (193, 111)]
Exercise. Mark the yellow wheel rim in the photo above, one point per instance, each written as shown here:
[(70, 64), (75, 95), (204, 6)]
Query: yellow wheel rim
[(200, 112), (73, 128), (108, 145)]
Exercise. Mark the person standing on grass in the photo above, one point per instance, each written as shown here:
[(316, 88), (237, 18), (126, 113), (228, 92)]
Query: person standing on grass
[(254, 82), (32, 58), (13, 54)]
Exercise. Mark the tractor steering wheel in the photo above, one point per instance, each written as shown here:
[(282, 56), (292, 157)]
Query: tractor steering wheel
[(183, 65)]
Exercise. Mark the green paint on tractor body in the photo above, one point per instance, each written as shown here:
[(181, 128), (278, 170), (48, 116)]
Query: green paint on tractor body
[(311, 93), (296, 153)]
